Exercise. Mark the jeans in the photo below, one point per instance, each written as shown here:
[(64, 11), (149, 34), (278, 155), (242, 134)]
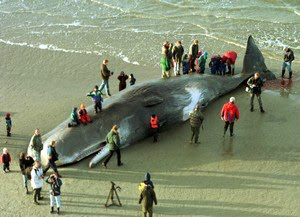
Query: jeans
[(111, 154), (227, 123), (106, 85), (195, 134), (52, 165), (54, 199), (36, 155), (25, 179), (252, 95), (287, 65), (177, 68)]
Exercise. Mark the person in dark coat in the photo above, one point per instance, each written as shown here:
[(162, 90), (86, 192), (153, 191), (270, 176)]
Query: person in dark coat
[(287, 61), (105, 74), (255, 84), (196, 120), (113, 141), (26, 163), (8, 124), (74, 118), (55, 184), (132, 80), (148, 181), (122, 78), (147, 197), (52, 157), (229, 114)]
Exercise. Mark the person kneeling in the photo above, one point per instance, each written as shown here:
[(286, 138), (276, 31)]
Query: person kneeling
[(83, 115)]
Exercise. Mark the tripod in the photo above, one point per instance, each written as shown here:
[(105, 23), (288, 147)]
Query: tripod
[(113, 190)]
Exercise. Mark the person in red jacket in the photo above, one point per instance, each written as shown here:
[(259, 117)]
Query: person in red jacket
[(154, 127), (5, 160), (83, 115), (229, 114)]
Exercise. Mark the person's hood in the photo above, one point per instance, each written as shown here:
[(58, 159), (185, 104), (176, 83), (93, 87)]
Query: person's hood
[(147, 177), (230, 105), (74, 109)]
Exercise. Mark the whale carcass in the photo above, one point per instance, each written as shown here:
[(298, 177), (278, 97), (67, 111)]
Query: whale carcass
[(170, 99)]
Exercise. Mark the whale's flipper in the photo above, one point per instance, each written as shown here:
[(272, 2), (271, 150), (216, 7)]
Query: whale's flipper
[(254, 61)]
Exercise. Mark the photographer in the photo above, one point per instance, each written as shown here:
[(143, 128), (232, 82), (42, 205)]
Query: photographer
[(55, 184), (52, 157), (255, 84), (37, 181), (105, 74)]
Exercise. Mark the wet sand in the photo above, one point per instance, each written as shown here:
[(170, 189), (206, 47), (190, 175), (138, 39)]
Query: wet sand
[(255, 173)]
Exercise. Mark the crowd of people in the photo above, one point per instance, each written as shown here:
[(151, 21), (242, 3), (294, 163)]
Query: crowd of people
[(172, 58)]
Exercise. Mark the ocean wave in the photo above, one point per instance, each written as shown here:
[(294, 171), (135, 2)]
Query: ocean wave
[(109, 6)]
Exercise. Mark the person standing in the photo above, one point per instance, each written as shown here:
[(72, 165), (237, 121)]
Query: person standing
[(288, 59), (229, 114), (105, 74), (5, 160), (193, 52), (154, 125), (122, 78), (202, 62), (113, 141), (196, 120), (132, 80), (52, 157), (36, 145), (97, 99), (147, 197), (165, 61), (255, 84), (25, 163), (37, 181), (8, 124), (177, 54), (55, 184)]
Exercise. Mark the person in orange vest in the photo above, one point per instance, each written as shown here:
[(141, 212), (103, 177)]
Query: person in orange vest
[(83, 115), (154, 126)]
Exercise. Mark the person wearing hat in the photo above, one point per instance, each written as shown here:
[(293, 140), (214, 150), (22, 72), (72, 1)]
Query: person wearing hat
[(8, 124), (255, 84), (196, 120), (288, 59), (202, 62), (229, 114), (83, 115)]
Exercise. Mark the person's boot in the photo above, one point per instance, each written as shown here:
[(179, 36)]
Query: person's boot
[(262, 110), (26, 190), (52, 210), (282, 73), (290, 75), (58, 210), (35, 198)]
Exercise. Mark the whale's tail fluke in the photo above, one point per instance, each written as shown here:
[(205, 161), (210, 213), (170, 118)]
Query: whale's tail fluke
[(254, 61)]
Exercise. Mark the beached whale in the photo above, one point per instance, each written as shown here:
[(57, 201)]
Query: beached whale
[(170, 99)]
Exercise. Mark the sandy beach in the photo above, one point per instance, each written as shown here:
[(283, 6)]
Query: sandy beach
[(253, 174)]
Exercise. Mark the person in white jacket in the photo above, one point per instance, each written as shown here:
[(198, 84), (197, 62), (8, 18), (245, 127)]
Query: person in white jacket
[(37, 181)]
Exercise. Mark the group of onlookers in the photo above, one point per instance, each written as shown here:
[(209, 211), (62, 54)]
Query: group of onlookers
[(174, 58)]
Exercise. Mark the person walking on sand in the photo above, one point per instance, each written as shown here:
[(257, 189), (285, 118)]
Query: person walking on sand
[(147, 197), (37, 181), (5, 160), (255, 84), (193, 52), (177, 54), (105, 74), (122, 78), (25, 163), (113, 141), (154, 125), (52, 157), (8, 124), (229, 114), (36, 145), (288, 59), (196, 120), (55, 183)]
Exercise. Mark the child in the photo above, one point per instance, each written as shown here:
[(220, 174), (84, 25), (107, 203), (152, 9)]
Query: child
[(202, 61), (96, 98), (55, 184), (8, 124), (74, 118), (5, 160), (185, 64), (132, 80), (213, 65), (122, 78), (83, 116)]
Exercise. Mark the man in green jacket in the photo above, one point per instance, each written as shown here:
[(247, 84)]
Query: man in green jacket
[(36, 145), (105, 74), (147, 197), (113, 141), (196, 119)]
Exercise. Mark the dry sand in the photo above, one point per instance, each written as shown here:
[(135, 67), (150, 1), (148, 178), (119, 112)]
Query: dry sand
[(256, 173)]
